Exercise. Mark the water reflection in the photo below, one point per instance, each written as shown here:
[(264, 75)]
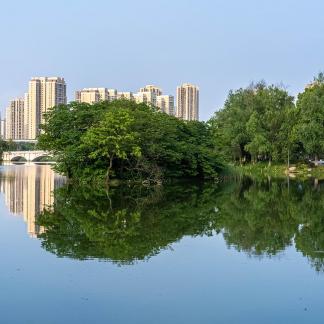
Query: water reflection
[(127, 225), (27, 190), (258, 217)]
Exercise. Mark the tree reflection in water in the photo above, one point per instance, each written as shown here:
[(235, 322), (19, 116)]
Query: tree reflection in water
[(261, 218)]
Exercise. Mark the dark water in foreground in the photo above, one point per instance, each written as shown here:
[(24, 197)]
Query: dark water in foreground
[(241, 252)]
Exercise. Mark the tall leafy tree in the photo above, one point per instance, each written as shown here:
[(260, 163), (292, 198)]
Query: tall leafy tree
[(229, 125), (127, 140), (310, 127), (253, 123), (113, 138)]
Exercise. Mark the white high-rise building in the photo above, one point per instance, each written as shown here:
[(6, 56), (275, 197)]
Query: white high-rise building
[(93, 95), (43, 94), (125, 95), (148, 95), (166, 104), (2, 128), (112, 94), (15, 120), (152, 88), (188, 102)]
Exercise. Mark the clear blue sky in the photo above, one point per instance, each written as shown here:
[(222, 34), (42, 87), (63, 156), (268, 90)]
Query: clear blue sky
[(125, 44)]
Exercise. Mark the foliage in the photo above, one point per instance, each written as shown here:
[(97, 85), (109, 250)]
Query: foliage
[(3, 146), (254, 124), (10, 145), (310, 126), (127, 140)]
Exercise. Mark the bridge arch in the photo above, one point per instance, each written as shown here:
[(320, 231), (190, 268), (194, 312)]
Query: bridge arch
[(18, 159), (43, 158)]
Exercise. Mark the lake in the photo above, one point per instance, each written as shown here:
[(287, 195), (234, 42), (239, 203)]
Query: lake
[(245, 251)]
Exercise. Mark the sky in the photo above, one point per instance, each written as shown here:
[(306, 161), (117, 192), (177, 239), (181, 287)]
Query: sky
[(126, 44)]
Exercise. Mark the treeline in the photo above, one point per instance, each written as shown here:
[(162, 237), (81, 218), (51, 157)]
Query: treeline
[(265, 123), (126, 140), (10, 145)]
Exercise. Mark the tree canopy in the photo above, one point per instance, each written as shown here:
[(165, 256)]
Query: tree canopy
[(253, 124), (264, 123), (127, 140)]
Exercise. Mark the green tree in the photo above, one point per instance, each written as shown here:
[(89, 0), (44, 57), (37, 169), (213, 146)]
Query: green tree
[(3, 147), (310, 126), (129, 141), (229, 125), (112, 138), (253, 123)]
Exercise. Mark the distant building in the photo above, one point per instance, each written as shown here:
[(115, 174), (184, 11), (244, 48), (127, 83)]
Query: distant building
[(166, 104), (112, 94), (153, 89), (93, 95), (2, 128), (43, 94), (15, 120), (148, 95), (188, 102), (125, 95), (148, 98)]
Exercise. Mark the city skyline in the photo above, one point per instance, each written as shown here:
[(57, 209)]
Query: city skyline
[(25, 114)]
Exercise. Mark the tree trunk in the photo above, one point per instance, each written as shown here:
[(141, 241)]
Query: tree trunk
[(316, 160), (108, 170)]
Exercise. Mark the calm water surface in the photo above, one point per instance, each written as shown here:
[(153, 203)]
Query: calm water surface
[(241, 252)]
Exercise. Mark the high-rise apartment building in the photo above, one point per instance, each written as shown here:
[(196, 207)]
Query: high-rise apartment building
[(2, 128), (43, 94), (112, 94), (152, 88), (188, 102), (148, 98), (166, 104), (148, 95), (15, 120), (93, 95), (125, 95)]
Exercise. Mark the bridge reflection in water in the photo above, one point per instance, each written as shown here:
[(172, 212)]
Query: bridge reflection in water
[(27, 190)]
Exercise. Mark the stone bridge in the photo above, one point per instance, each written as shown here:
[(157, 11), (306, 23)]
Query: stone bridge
[(29, 156)]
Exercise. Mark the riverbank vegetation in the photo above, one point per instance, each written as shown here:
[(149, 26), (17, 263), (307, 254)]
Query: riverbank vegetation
[(264, 123), (10, 145), (128, 141)]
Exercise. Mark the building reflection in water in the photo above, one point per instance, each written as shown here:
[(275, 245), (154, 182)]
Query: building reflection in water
[(28, 189)]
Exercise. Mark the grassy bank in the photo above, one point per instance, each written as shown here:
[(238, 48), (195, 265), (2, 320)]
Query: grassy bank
[(298, 170)]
